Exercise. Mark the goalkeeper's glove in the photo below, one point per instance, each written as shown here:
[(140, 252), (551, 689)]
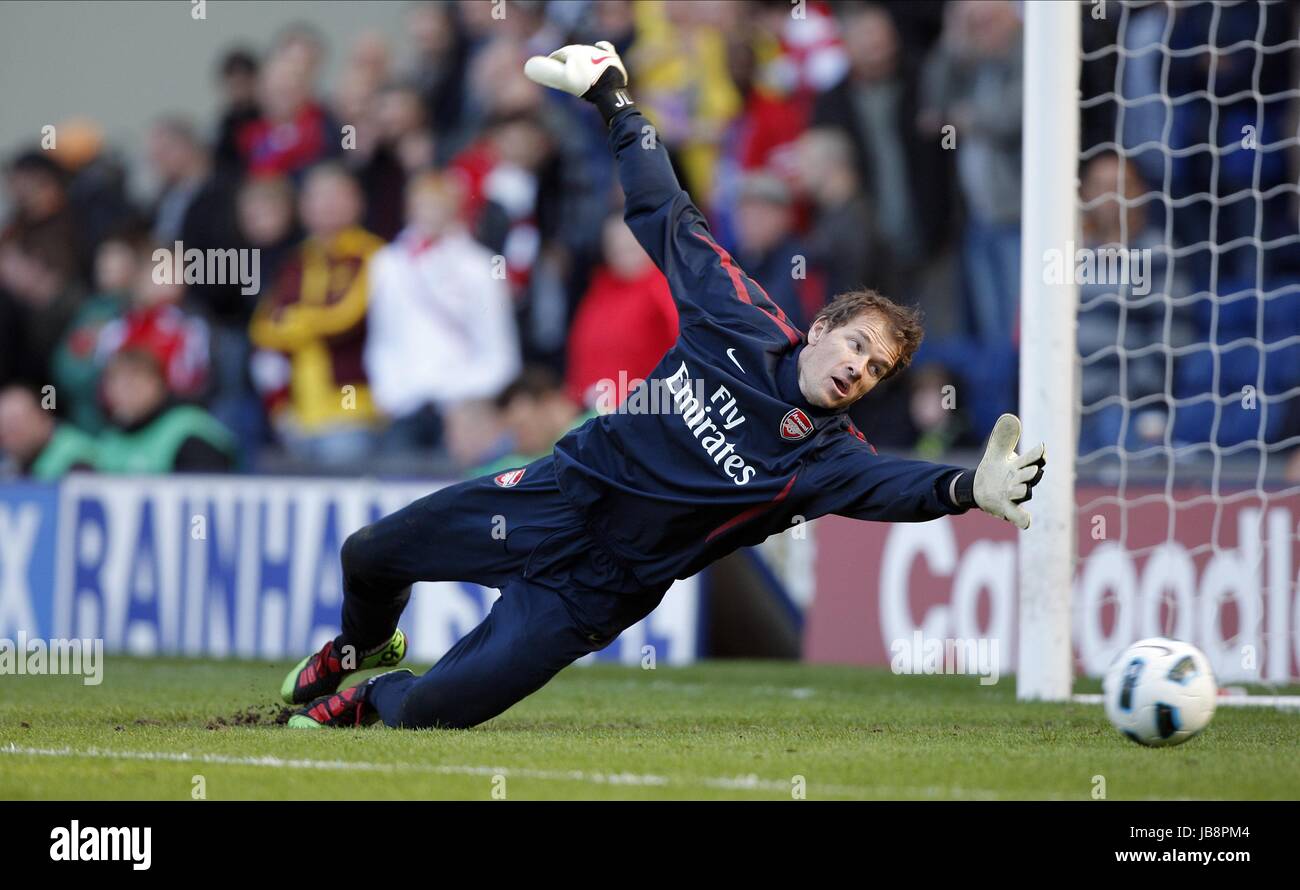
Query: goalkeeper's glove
[(594, 73), (1003, 480)]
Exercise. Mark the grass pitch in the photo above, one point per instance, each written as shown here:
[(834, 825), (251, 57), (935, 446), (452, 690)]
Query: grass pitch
[(719, 730)]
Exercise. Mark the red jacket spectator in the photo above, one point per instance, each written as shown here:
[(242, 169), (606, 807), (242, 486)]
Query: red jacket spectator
[(625, 323), (178, 340), (283, 147), (293, 131)]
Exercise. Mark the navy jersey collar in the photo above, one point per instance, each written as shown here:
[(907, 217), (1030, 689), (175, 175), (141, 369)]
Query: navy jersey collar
[(787, 383)]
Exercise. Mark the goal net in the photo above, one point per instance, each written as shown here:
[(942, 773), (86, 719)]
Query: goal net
[(1182, 260)]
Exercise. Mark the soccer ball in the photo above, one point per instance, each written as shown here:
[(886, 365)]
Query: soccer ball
[(1160, 692)]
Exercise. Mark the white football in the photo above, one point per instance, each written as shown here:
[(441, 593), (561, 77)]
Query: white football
[(1160, 692)]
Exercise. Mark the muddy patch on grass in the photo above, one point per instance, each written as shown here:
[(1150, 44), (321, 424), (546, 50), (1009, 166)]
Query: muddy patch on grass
[(255, 715)]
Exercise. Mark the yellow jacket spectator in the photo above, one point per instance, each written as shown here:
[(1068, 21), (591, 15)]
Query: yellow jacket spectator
[(684, 85), (316, 317)]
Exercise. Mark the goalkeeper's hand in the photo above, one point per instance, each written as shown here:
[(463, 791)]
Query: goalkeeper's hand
[(594, 73), (1004, 479)]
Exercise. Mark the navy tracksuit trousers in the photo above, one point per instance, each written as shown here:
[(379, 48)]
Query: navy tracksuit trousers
[(562, 594)]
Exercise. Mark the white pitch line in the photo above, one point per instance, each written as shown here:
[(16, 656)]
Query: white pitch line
[(731, 783), (745, 783), (1281, 702)]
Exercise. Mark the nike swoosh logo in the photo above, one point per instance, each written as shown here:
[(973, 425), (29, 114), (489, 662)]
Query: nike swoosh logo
[(731, 354), (600, 59)]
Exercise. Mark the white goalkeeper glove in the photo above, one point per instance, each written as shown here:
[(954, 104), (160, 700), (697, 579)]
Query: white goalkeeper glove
[(594, 73), (1004, 480)]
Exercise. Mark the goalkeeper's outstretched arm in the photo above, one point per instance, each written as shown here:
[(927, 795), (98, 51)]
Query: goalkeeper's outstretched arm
[(654, 196), (703, 278)]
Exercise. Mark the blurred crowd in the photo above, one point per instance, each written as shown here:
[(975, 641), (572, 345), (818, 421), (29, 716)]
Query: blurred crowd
[(444, 278)]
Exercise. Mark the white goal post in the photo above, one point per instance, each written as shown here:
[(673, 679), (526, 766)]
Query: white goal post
[(1047, 345), (1161, 174)]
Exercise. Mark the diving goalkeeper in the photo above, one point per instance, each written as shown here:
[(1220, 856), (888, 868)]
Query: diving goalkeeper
[(743, 428)]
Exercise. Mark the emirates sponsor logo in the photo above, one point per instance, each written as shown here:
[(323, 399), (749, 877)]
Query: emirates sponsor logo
[(509, 478), (795, 425), (695, 414)]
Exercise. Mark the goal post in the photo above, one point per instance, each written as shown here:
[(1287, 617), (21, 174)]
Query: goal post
[(1160, 338), (1048, 364)]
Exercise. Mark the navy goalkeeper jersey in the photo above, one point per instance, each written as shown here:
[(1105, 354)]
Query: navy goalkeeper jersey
[(718, 449)]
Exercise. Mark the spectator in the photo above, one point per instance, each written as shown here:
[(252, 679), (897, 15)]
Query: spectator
[(293, 131), (612, 20), (162, 323), (1118, 327), (778, 63), (974, 83), (152, 433), (402, 146), (77, 361), (625, 323), (537, 413), (535, 25), (810, 56), (518, 205), (352, 103), (474, 434), (12, 353), (41, 221), (441, 324), (906, 178), (239, 75), (937, 425), (37, 443), (180, 163), (504, 192), (1231, 76), (496, 83), (315, 319), (303, 45), (679, 63), (268, 223), (371, 57), (438, 72), (768, 250), (195, 207), (1145, 110), (843, 245), (356, 97), (96, 188), (44, 298)]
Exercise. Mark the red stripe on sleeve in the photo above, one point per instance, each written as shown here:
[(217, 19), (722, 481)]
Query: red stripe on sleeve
[(742, 293)]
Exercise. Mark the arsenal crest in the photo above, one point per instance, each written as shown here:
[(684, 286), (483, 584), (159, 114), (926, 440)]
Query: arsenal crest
[(795, 425), (509, 478)]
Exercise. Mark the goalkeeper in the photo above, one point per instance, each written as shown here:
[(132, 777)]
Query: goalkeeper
[(740, 429)]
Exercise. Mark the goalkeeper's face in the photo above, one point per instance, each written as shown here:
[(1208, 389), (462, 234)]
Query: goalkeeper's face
[(842, 364)]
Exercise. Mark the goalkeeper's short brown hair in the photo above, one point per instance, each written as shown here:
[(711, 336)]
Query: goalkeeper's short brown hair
[(904, 321)]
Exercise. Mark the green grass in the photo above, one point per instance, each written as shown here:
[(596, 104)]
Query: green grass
[(734, 730)]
